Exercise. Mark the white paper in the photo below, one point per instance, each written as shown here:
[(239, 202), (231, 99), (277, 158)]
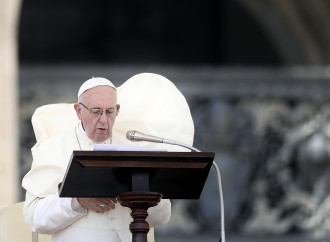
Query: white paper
[(108, 147)]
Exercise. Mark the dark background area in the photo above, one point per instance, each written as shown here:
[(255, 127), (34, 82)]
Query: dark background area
[(164, 32)]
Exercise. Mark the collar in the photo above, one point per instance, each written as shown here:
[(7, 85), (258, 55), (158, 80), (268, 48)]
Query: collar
[(81, 128)]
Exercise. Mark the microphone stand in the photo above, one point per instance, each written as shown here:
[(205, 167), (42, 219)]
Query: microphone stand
[(135, 136), (215, 166)]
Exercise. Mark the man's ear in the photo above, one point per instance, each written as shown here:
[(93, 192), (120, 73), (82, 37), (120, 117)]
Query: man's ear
[(77, 107), (118, 107)]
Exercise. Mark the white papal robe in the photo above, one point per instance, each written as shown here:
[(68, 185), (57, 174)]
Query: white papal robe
[(64, 218)]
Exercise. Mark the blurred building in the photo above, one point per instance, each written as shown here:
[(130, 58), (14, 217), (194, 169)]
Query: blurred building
[(255, 74)]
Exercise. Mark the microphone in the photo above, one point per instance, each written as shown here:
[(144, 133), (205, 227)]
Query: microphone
[(135, 136)]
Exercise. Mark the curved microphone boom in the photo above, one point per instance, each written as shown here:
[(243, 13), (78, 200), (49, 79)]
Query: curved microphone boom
[(135, 136)]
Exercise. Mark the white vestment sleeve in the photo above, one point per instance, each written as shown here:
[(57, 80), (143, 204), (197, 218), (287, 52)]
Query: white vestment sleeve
[(52, 213), (159, 214)]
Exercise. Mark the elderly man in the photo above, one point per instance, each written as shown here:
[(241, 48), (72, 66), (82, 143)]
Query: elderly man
[(80, 219)]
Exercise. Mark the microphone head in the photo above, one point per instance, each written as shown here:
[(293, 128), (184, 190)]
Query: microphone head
[(135, 136), (130, 135)]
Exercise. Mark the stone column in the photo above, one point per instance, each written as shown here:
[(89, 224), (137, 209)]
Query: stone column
[(9, 184)]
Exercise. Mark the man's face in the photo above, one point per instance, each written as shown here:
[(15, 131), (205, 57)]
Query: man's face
[(97, 126)]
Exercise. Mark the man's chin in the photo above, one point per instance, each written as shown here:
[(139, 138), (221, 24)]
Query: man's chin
[(100, 138), (99, 141)]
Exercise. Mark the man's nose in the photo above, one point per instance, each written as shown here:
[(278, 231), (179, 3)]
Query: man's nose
[(103, 117)]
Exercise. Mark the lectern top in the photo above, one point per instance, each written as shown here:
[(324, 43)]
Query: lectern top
[(177, 175)]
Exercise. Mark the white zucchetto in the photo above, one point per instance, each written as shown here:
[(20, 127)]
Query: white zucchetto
[(94, 82)]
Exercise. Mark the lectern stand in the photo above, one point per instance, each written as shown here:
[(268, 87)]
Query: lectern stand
[(139, 202), (137, 179)]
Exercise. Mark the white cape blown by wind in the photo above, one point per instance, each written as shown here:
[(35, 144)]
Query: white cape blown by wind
[(150, 103), (153, 105)]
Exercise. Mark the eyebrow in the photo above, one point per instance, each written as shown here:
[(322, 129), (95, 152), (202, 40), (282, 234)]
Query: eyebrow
[(105, 109)]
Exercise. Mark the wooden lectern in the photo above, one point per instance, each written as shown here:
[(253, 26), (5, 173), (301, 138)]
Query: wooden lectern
[(138, 179)]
